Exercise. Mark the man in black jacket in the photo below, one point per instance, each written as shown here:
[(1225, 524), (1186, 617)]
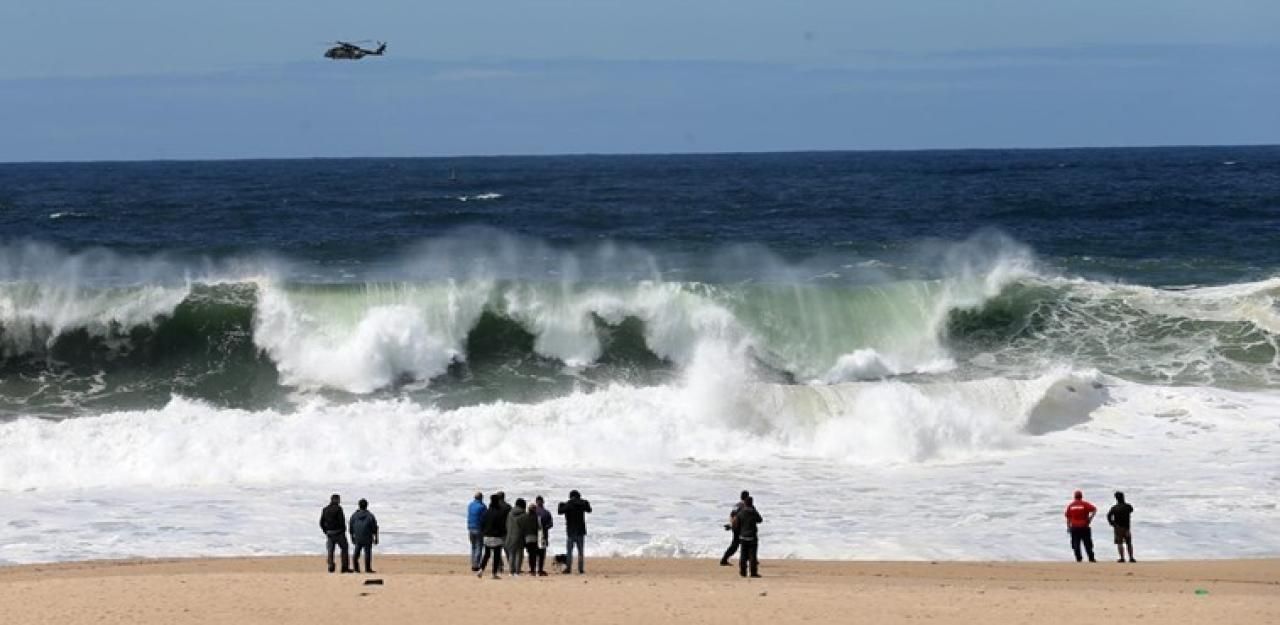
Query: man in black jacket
[(494, 527), (1119, 518), (333, 522), (733, 546), (575, 525), (746, 523)]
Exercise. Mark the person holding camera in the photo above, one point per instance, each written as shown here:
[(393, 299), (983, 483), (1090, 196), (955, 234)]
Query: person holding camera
[(731, 527), (746, 525), (575, 513)]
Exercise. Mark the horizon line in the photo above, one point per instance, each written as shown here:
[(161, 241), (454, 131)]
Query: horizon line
[(232, 159)]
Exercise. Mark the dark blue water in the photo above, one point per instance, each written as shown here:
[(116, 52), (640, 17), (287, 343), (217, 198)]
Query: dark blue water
[(1155, 216)]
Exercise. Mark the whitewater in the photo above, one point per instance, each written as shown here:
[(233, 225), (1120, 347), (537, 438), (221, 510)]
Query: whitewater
[(868, 416)]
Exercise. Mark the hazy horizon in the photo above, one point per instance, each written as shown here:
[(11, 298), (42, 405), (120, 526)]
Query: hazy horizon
[(647, 154)]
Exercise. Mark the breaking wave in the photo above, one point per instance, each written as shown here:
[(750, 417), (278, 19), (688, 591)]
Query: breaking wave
[(709, 416), (241, 334), (121, 371)]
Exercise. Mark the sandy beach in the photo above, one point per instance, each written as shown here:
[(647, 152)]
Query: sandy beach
[(441, 589)]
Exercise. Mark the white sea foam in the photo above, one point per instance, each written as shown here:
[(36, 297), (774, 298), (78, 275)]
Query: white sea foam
[(1256, 302), (868, 364), (367, 341), (716, 415), (33, 315), (67, 215), (1198, 464)]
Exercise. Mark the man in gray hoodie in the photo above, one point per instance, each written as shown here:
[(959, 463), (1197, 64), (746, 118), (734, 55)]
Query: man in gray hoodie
[(364, 534)]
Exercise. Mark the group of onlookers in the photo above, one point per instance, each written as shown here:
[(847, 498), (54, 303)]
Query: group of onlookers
[(516, 529), (496, 530), (364, 534)]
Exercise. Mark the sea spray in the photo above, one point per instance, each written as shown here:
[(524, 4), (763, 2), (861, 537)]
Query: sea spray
[(716, 415)]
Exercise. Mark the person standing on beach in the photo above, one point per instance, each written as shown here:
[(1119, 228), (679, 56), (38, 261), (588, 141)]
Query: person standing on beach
[(575, 513), (364, 534), (1118, 517), (1079, 515), (506, 512), (733, 546), (333, 522), (517, 518), (494, 528), (475, 522), (545, 522), (746, 524), (527, 526)]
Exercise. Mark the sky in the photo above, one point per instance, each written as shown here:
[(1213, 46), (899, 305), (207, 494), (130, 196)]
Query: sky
[(141, 79)]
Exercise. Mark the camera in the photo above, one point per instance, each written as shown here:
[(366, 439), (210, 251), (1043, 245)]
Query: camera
[(728, 528)]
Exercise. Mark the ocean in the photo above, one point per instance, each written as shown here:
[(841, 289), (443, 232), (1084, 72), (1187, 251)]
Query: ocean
[(903, 355)]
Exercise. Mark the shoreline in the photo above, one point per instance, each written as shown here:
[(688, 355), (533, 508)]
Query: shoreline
[(296, 589)]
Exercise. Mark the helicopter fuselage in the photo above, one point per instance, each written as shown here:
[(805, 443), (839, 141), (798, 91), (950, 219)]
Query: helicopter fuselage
[(352, 53)]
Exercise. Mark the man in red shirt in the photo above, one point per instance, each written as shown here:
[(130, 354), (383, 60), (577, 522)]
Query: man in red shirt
[(1079, 514)]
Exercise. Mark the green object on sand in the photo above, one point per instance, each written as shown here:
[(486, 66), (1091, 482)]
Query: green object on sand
[(1201, 591)]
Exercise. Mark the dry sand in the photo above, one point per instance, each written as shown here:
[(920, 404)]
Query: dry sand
[(422, 589)]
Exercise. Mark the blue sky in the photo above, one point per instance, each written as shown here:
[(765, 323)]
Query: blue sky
[(136, 79)]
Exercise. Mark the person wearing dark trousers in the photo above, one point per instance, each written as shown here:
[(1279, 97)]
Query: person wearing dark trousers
[(746, 524), (495, 535), (733, 546), (364, 535), (475, 521), (1119, 517), (516, 518), (527, 526), (333, 522), (1079, 515), (575, 513), (545, 523)]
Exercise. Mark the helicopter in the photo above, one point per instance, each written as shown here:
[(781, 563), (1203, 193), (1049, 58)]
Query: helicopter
[(350, 51)]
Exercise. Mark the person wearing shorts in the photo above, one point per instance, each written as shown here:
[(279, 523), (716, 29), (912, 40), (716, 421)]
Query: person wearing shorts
[(1119, 517)]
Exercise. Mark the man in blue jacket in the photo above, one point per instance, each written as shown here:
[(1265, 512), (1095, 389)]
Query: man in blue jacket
[(475, 527), (364, 535)]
